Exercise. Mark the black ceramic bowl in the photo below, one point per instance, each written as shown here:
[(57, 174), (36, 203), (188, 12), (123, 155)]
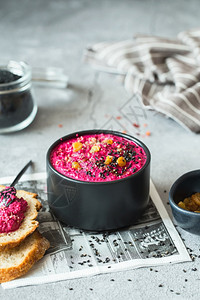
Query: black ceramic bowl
[(185, 186), (98, 206)]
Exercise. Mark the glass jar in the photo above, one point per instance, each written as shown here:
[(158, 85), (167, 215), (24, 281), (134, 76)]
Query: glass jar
[(17, 105)]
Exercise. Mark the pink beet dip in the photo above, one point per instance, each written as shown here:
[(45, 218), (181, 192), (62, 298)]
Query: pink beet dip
[(98, 157), (12, 210)]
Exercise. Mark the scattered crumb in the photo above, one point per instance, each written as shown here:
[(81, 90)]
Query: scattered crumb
[(148, 133), (60, 125)]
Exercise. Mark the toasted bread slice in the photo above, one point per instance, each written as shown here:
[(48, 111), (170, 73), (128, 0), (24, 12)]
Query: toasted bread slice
[(28, 225), (17, 261)]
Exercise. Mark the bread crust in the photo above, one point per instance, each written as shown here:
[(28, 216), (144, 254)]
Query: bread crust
[(29, 224), (36, 245)]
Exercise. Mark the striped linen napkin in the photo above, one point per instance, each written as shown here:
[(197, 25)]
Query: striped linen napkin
[(165, 72)]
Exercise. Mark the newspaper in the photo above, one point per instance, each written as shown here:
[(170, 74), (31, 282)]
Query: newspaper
[(76, 253)]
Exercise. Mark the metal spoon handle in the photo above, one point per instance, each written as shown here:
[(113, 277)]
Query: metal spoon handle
[(21, 173)]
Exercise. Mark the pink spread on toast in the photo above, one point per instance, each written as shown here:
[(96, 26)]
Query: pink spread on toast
[(98, 157), (12, 210)]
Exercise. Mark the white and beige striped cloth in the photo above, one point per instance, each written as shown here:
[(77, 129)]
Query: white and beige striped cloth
[(165, 72)]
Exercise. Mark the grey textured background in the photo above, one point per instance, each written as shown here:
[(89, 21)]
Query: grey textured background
[(56, 33)]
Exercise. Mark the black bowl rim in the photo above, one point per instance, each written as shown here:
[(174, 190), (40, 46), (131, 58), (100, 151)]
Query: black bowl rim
[(174, 186), (96, 131)]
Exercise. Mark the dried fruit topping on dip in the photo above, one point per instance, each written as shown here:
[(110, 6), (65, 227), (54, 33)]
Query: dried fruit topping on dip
[(98, 157), (12, 210)]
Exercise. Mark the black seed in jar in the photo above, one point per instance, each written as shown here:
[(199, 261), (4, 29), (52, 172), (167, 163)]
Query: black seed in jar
[(7, 76), (15, 107)]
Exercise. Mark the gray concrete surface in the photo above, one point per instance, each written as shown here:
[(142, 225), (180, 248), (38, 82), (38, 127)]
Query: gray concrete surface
[(55, 33)]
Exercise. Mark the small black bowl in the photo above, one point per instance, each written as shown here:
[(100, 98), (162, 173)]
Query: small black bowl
[(98, 206), (183, 187)]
